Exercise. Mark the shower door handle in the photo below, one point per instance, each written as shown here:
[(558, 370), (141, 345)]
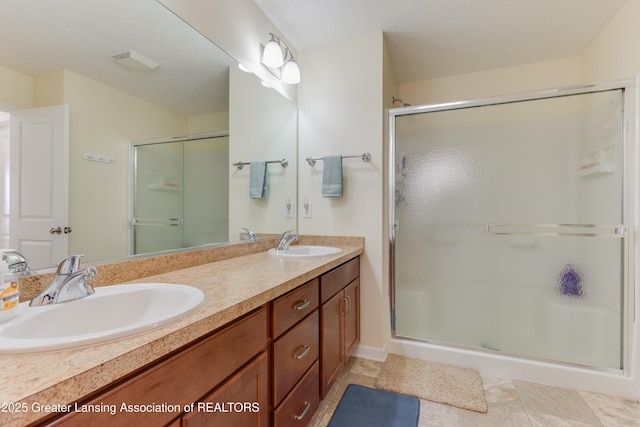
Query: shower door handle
[(573, 230), (167, 222)]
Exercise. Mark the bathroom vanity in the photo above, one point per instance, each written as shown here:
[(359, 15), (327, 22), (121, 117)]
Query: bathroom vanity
[(264, 349)]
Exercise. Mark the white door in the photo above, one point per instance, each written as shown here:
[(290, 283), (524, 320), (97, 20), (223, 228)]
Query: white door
[(39, 178)]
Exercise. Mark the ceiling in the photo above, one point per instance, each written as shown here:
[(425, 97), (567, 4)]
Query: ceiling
[(426, 39), (435, 38), (82, 36)]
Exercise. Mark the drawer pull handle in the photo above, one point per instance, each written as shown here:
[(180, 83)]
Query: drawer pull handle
[(307, 405), (303, 353), (302, 305)]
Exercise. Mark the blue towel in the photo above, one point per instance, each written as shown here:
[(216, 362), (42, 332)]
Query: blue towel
[(258, 180), (332, 176)]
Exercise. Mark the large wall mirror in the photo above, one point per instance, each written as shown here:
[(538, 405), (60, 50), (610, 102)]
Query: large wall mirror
[(170, 81)]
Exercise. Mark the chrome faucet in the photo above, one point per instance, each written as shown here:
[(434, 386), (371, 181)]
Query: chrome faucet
[(16, 261), (69, 283), (286, 239), (249, 235)]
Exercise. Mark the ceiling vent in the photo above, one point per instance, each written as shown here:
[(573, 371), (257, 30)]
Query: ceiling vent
[(135, 61)]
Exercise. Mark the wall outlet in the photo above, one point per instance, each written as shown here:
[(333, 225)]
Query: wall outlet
[(288, 208), (306, 208)]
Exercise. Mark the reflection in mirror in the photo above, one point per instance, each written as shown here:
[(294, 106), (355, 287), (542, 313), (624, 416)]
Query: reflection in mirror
[(180, 193), (61, 54), (270, 137)]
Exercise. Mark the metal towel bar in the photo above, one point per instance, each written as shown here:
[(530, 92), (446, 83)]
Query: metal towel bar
[(283, 162), (364, 156), (576, 230)]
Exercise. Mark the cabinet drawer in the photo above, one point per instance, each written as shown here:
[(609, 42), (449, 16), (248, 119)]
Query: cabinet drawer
[(181, 379), (300, 405), (338, 278), (293, 354), (294, 306)]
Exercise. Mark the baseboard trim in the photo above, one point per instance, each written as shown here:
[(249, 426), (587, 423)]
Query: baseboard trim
[(371, 353)]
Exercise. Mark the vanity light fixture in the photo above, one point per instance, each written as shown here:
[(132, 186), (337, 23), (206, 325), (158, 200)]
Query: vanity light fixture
[(272, 55), (291, 72), (278, 59)]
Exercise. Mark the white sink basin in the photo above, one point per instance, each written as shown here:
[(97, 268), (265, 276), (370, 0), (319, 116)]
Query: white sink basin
[(301, 251), (112, 312)]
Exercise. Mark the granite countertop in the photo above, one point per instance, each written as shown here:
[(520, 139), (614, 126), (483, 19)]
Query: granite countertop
[(232, 287)]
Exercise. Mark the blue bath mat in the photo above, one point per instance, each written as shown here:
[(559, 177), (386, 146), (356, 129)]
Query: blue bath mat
[(369, 407)]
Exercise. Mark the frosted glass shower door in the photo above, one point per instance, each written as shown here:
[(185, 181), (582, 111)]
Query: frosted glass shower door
[(509, 230), (159, 197), (181, 194)]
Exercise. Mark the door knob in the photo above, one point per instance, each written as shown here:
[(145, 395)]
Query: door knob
[(56, 230), (67, 230)]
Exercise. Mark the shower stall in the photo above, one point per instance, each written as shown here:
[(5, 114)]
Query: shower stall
[(180, 192), (511, 226)]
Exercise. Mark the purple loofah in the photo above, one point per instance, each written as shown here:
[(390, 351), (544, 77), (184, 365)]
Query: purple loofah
[(570, 281)]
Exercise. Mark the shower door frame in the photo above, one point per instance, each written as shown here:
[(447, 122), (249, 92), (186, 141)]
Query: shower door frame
[(630, 99)]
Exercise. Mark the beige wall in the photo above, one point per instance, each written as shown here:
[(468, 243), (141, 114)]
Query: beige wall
[(48, 88), (614, 54), (214, 122), (99, 192), (16, 90), (341, 112), (500, 81), (263, 127)]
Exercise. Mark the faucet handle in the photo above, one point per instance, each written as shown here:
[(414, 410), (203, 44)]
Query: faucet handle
[(69, 265), (90, 273)]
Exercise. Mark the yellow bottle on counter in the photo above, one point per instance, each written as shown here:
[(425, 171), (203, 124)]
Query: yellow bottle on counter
[(9, 293)]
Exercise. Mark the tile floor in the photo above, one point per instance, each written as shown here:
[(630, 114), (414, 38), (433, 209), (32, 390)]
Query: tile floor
[(512, 403)]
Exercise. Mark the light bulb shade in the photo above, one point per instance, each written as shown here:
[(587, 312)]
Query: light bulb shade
[(291, 73), (272, 55)]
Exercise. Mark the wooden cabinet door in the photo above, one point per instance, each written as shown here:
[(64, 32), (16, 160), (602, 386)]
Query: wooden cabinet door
[(331, 342), (181, 379), (243, 400), (351, 318)]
